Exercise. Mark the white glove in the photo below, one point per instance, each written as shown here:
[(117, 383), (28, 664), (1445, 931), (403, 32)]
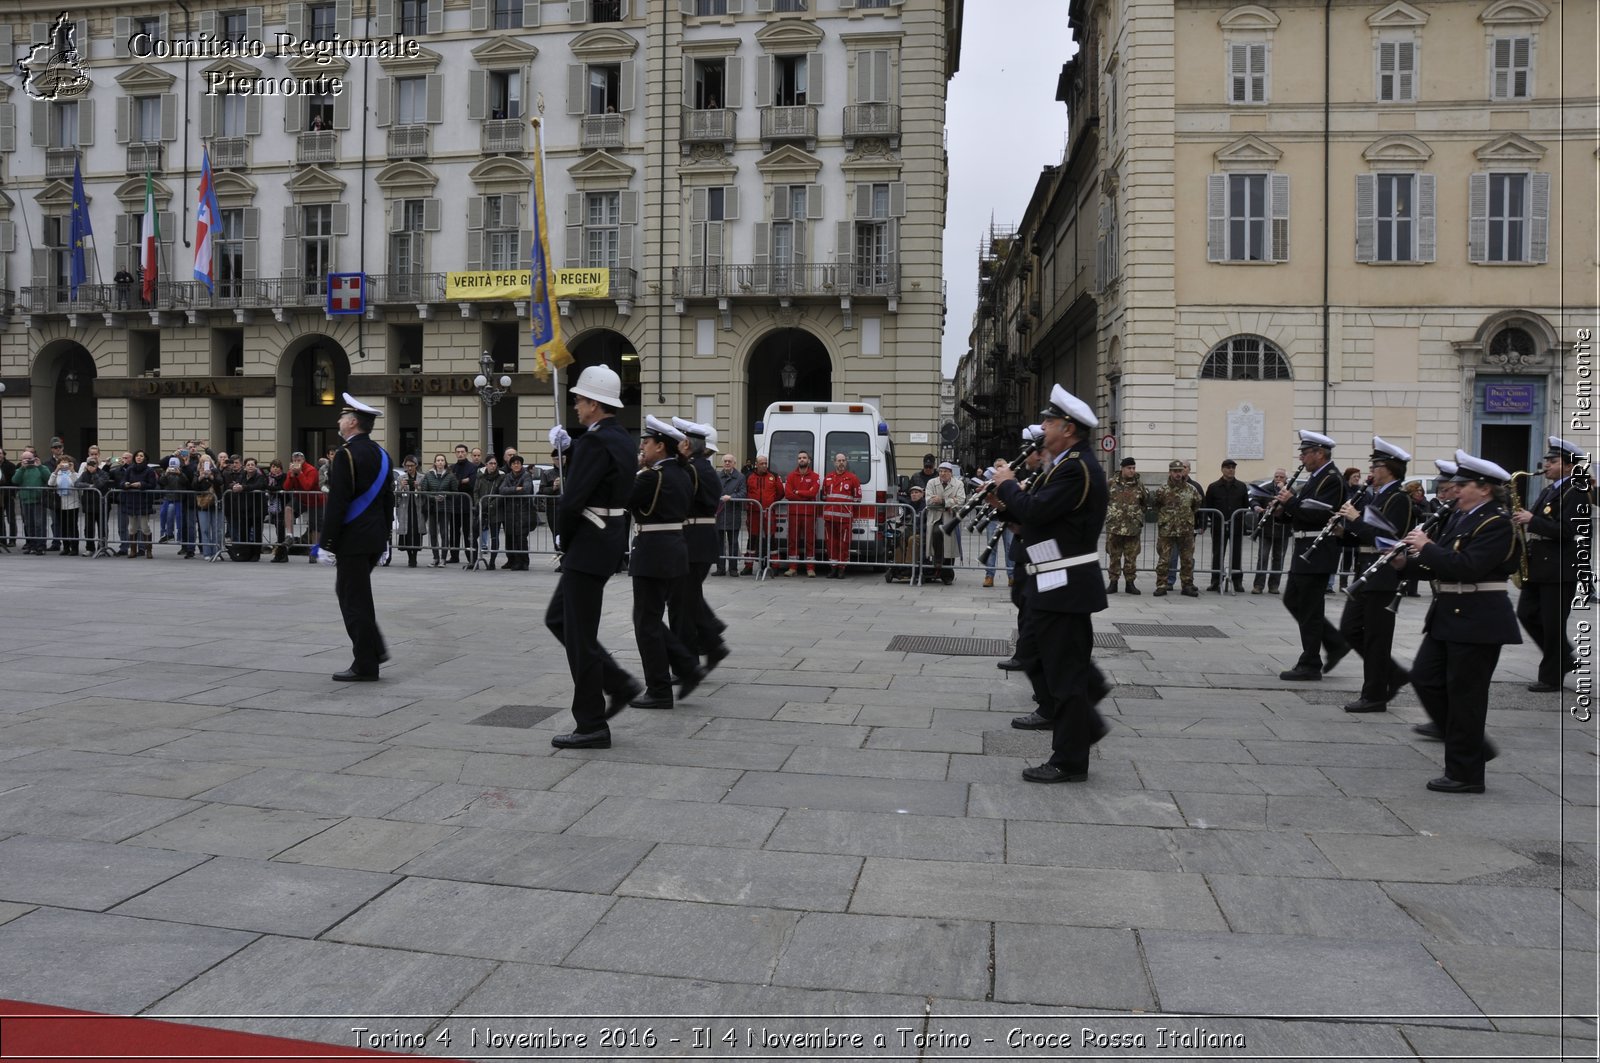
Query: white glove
[(559, 439)]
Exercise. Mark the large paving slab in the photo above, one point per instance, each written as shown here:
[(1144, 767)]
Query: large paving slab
[(290, 899), (92, 875)]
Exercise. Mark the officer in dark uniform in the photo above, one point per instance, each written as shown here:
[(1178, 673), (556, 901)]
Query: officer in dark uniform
[(356, 520), (1367, 623), (1307, 513), (1062, 514), (693, 621), (1557, 562), (659, 563), (592, 534), (1468, 621)]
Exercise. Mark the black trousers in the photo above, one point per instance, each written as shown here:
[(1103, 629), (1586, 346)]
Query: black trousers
[(1302, 596), (1543, 609), (661, 652), (1368, 626), (1452, 681), (1062, 678), (1235, 550), (693, 620), (573, 617), (352, 582)]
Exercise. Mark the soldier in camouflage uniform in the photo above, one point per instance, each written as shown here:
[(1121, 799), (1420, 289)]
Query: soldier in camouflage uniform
[(1124, 521), (1176, 504)]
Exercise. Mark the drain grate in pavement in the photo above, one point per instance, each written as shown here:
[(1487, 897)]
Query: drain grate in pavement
[(515, 716), (950, 646), (1109, 640), (1190, 631)]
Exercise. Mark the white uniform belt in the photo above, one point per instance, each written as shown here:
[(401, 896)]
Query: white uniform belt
[(597, 516), (1062, 562), (678, 526), (1467, 588), (1541, 538), (701, 520)]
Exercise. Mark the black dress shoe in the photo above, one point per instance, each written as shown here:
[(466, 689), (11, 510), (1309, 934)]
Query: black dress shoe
[(1334, 657), (621, 699), (1010, 664), (1397, 684), (1300, 675), (583, 740), (1363, 705), (1446, 785), (687, 683), (1031, 722), (350, 675), (652, 701), (1542, 688), (718, 654), (1429, 730), (1051, 773)]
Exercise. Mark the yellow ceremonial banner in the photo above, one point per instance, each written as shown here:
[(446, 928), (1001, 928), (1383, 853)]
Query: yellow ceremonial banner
[(466, 285), (581, 283)]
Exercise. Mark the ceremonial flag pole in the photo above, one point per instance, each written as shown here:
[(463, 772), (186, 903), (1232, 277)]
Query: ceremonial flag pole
[(150, 239), (81, 231), (548, 350), (207, 223)]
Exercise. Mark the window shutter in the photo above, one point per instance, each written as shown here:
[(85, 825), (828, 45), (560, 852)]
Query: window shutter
[(1425, 226), (864, 202), (480, 15), (763, 6), (626, 90), (8, 127), (764, 81), (1216, 217), (697, 206), (801, 238), (294, 111), (844, 235), (474, 212), (713, 241), (1278, 212), (1478, 217), (252, 116), (477, 94), (697, 244), (1386, 63), (383, 18), (511, 212), (341, 17), (208, 25), (732, 76), (1539, 217), (625, 246), (40, 133), (124, 119), (574, 248), (780, 203), (628, 208), (124, 243), (730, 203), (294, 18), (251, 249), (846, 5), (735, 7), (341, 113), (1238, 73), (686, 7), (1258, 73), (41, 267), (474, 248), (578, 10), (897, 199), (1366, 217), (252, 23), (532, 14), (385, 101), (291, 241), (435, 89), (122, 29), (169, 116), (761, 255), (86, 123), (8, 237), (208, 117), (815, 71), (1502, 68), (577, 86), (397, 216), (341, 219), (1405, 70), (435, 16), (688, 82), (1521, 67), (814, 209)]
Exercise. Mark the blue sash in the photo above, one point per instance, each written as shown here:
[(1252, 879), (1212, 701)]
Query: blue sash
[(359, 506)]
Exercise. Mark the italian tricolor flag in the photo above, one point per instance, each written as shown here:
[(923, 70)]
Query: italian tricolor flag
[(149, 238)]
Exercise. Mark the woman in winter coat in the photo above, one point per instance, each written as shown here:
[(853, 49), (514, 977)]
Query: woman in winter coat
[(208, 506), (517, 491), (486, 508), (63, 482), (138, 496), (410, 512), (437, 487), (730, 516), (279, 515)]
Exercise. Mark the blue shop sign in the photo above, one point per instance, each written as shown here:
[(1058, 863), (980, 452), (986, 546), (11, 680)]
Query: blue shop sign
[(1508, 398)]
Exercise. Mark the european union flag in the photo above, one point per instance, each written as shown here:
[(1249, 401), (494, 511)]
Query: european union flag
[(81, 230)]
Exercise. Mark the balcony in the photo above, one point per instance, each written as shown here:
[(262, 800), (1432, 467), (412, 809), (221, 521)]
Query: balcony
[(230, 153), (408, 142), (708, 127), (832, 280), (144, 156), (386, 288), (60, 162), (316, 146), (603, 131), (605, 10), (872, 120), (502, 136), (798, 122)]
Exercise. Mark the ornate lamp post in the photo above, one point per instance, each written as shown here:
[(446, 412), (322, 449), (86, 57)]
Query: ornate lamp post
[(491, 395)]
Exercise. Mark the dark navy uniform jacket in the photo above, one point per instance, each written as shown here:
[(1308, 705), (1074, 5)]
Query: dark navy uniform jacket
[(1395, 507), (600, 470), (1561, 513), (1067, 503), (705, 496), (1476, 547), (660, 496), (1325, 485), (355, 467)]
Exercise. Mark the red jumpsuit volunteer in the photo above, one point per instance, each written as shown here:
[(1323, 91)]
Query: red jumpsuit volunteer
[(805, 487), (764, 489), (841, 493)]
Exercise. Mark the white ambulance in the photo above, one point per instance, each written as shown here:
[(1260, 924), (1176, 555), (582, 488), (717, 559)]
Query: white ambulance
[(823, 429)]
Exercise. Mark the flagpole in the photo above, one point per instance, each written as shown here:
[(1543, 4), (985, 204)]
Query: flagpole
[(538, 207)]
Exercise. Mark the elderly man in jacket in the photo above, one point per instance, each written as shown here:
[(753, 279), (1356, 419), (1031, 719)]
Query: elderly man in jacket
[(944, 497)]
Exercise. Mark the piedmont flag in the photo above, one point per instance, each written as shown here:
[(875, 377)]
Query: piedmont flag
[(207, 222), (548, 349), (150, 237), (81, 230)]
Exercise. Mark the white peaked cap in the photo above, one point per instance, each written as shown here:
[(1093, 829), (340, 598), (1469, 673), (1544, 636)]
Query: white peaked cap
[(656, 427), (1382, 449), (1065, 404)]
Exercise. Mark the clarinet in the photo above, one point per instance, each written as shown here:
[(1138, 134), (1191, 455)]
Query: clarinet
[(1272, 510), (1427, 527), (1336, 522)]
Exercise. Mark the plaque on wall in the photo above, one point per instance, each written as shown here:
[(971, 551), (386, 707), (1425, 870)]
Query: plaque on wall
[(1247, 432)]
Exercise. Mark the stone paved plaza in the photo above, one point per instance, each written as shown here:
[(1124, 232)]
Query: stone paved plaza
[(832, 835)]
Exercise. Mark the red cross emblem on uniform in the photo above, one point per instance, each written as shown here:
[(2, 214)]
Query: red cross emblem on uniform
[(347, 293)]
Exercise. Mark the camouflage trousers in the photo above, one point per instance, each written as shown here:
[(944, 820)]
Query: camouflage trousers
[(1124, 551), (1185, 546)]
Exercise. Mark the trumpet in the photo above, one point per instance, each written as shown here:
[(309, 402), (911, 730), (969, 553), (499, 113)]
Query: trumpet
[(949, 525), (1271, 511), (1336, 522)]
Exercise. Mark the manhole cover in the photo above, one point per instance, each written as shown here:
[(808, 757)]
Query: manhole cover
[(951, 647), (1109, 640), (515, 716), (1189, 631)]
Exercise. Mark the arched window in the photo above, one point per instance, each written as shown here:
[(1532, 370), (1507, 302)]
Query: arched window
[(1513, 344), (1245, 358)]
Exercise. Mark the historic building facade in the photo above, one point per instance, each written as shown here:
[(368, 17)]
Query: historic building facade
[(764, 179), (1262, 240)]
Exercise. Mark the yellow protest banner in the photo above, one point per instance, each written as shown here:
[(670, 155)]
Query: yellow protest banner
[(466, 285), (581, 283)]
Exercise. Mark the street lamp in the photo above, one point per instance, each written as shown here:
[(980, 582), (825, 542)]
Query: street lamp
[(71, 382), (491, 395)]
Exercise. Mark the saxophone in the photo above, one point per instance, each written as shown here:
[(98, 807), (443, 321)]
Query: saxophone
[(1521, 575)]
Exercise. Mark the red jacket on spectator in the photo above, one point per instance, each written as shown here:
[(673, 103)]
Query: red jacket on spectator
[(765, 490), (307, 487)]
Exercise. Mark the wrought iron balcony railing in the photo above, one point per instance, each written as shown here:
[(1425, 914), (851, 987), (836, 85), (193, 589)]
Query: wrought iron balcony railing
[(230, 153), (317, 146), (604, 130), (709, 127), (872, 120), (827, 280), (797, 122), (408, 142), (59, 162), (502, 136), (143, 156)]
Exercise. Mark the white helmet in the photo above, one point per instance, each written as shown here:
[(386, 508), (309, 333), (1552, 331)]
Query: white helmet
[(711, 441), (600, 383)]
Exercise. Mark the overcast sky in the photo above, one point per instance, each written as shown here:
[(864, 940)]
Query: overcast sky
[(1005, 126)]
